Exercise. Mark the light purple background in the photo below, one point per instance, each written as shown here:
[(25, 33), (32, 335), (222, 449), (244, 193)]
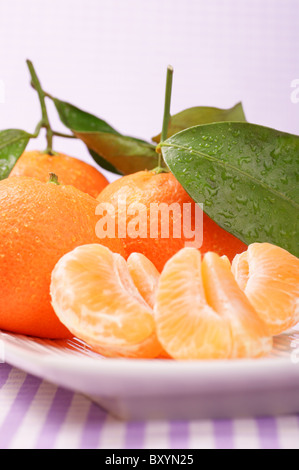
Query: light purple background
[(109, 57)]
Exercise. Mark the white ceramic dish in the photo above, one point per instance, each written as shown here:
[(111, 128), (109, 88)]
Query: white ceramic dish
[(149, 389)]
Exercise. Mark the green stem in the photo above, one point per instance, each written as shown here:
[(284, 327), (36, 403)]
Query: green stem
[(54, 133), (67, 136), (46, 95), (37, 129), (41, 123), (168, 92), (45, 119), (166, 116)]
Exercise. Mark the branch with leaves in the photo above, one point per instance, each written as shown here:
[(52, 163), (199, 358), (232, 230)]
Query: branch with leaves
[(245, 175)]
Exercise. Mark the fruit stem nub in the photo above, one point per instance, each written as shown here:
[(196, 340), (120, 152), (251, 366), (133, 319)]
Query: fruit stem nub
[(53, 178)]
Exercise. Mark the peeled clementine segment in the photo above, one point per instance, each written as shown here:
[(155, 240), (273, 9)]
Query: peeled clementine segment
[(269, 276), (249, 335), (240, 269), (187, 326), (226, 260), (145, 276), (94, 295)]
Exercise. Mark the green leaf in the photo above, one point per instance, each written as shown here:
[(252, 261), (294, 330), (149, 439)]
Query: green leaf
[(78, 120), (12, 144), (202, 115), (104, 163), (126, 154), (123, 153), (245, 175)]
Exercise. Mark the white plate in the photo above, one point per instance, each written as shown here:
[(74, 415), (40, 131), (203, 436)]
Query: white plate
[(149, 389)]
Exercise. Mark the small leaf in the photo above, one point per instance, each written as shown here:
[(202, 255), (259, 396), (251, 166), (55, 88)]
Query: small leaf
[(78, 120), (202, 115), (12, 144), (245, 175), (123, 153)]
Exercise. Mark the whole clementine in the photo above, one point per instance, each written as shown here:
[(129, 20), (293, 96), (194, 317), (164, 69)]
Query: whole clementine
[(146, 188), (71, 171), (39, 223)]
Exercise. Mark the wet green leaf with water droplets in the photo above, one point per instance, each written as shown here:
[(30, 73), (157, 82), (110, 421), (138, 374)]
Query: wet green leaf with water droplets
[(12, 144), (119, 153), (199, 115), (253, 172)]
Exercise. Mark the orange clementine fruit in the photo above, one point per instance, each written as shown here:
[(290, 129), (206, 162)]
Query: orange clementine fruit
[(94, 296), (146, 189), (269, 276), (39, 223), (201, 313), (70, 170)]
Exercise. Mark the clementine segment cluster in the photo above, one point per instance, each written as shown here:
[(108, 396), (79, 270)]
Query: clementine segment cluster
[(95, 296), (39, 223), (197, 308), (146, 189), (269, 276), (201, 313), (71, 171)]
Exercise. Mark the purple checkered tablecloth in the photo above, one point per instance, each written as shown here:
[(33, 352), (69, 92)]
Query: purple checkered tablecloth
[(35, 414)]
